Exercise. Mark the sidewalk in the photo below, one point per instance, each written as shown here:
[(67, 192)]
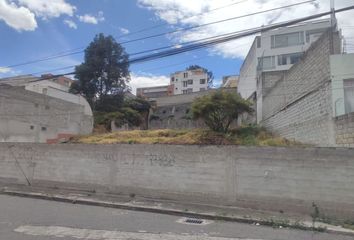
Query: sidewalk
[(211, 212)]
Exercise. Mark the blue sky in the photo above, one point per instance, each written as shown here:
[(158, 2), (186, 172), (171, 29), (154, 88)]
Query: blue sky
[(33, 29)]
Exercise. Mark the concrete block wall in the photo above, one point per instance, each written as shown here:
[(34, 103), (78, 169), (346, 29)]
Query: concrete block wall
[(173, 112), (299, 104), (174, 117), (268, 178), (345, 130), (27, 116)]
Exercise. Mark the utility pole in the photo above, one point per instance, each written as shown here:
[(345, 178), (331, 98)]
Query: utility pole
[(333, 26), (333, 15)]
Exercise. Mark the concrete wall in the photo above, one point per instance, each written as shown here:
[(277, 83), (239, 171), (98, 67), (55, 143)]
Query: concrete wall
[(176, 116), (299, 105), (27, 116), (248, 71), (59, 91), (345, 130), (341, 69), (247, 84), (287, 179), (173, 112)]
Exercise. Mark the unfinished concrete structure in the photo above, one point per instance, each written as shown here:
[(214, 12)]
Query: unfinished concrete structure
[(175, 111), (41, 111), (307, 102), (278, 50)]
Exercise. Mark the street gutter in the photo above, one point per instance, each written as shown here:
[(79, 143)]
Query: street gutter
[(305, 225)]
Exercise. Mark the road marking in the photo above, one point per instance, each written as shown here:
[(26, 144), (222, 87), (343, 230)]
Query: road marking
[(91, 234)]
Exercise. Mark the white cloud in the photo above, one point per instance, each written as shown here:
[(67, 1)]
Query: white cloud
[(147, 80), (49, 8), (17, 17), (179, 11), (8, 72), (70, 23), (87, 18), (22, 16), (124, 30), (5, 70)]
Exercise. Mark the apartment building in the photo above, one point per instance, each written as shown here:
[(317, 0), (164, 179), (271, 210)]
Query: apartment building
[(189, 81), (155, 92), (278, 50)]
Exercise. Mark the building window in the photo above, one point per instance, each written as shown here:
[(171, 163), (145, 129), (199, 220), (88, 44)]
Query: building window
[(202, 81), (202, 89), (185, 83), (172, 79), (44, 129), (348, 85), (176, 88), (289, 39), (189, 90), (184, 91), (266, 63), (314, 34), (258, 42), (295, 57), (31, 127), (47, 107), (185, 75), (190, 82), (286, 59), (282, 60)]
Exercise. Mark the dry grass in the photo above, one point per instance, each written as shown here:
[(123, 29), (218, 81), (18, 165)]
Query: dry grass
[(241, 136)]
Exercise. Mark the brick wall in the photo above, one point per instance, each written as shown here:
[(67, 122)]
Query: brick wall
[(298, 106), (345, 130)]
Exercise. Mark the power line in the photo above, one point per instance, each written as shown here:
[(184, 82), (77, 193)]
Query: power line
[(220, 21), (64, 53), (192, 16), (235, 36), (231, 37), (165, 33), (166, 66)]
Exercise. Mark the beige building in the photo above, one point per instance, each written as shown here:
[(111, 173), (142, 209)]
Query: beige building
[(189, 81)]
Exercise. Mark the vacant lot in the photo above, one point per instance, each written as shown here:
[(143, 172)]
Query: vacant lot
[(241, 136)]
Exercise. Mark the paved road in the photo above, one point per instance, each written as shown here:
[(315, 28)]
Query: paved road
[(33, 219)]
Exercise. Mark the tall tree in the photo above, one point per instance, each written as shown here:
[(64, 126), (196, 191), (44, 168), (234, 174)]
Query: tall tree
[(209, 73), (104, 72)]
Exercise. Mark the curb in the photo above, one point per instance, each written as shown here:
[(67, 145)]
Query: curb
[(163, 211)]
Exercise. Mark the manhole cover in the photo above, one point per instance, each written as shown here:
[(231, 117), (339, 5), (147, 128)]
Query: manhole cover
[(194, 221)]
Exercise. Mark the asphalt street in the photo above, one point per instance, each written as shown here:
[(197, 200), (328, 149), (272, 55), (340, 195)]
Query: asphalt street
[(34, 219)]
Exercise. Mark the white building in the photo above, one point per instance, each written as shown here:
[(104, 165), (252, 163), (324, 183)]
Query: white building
[(342, 76), (56, 88), (184, 82), (278, 50)]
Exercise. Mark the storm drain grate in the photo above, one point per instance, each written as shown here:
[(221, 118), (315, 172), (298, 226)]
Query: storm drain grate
[(194, 220)]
